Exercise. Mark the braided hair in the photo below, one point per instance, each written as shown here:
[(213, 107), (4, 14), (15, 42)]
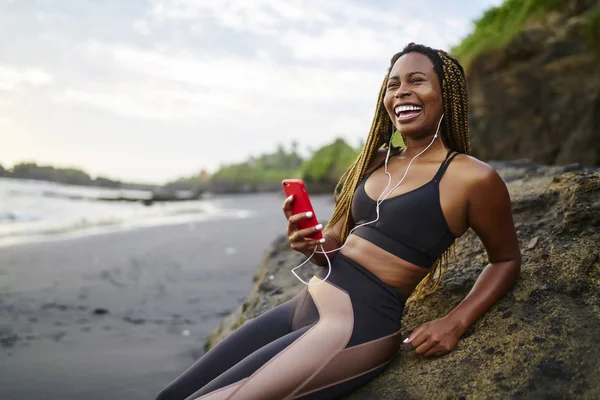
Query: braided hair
[(455, 134)]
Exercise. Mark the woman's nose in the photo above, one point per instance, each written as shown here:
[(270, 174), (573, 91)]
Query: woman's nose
[(402, 92)]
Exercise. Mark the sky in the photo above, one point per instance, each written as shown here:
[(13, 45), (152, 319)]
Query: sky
[(151, 90)]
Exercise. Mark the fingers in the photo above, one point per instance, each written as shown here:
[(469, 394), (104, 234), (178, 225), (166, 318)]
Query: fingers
[(307, 244), (294, 219), (420, 339), (434, 352), (426, 347), (300, 242), (426, 343), (298, 238), (287, 206), (309, 231), (299, 217), (415, 334), (432, 339)]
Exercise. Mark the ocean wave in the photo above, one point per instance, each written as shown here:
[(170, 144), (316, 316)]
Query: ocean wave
[(42, 231), (32, 211), (18, 217)]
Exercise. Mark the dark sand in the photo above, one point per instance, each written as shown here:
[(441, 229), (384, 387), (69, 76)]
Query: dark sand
[(118, 316)]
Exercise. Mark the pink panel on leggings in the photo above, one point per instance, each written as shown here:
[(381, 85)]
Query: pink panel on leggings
[(353, 362), (286, 373)]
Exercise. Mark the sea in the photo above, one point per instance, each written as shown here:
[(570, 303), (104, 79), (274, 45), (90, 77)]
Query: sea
[(32, 210)]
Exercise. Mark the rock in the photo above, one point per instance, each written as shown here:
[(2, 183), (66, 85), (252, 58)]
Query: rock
[(538, 341), (532, 243), (527, 44), (573, 167), (539, 97)]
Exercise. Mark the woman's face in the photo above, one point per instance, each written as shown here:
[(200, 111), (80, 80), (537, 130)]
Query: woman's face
[(413, 98)]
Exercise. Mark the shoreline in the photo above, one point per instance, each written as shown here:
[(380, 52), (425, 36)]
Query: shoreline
[(71, 233)]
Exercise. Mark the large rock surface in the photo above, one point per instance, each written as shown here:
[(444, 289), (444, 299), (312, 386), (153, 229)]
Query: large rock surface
[(539, 341), (539, 98)]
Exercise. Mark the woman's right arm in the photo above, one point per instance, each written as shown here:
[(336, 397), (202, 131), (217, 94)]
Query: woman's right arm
[(298, 238)]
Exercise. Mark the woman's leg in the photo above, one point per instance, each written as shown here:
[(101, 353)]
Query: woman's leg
[(239, 373), (342, 388), (253, 335), (281, 369)]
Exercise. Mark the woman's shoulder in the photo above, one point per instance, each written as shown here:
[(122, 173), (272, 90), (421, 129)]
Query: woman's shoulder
[(473, 171)]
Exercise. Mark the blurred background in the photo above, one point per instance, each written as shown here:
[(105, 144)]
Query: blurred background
[(143, 142)]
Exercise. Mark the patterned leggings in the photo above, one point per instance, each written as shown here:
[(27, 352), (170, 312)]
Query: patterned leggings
[(325, 342)]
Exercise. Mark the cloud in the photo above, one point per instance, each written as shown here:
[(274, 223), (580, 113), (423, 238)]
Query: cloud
[(141, 27), (5, 121), (11, 77), (170, 86), (144, 101), (353, 41), (313, 30), (257, 16)]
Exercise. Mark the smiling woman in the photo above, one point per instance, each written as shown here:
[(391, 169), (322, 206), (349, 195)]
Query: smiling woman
[(385, 244)]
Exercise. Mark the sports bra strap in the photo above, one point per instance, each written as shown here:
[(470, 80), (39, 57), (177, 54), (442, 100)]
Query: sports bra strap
[(437, 176), (444, 165)]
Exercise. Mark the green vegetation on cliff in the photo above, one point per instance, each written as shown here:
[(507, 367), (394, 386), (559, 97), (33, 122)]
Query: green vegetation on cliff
[(499, 25), (266, 172), (329, 162), (259, 173), (594, 28)]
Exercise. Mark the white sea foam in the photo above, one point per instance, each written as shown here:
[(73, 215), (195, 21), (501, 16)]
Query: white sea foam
[(38, 210)]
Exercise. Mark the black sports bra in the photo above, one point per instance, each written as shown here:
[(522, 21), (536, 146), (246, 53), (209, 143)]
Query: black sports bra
[(411, 226)]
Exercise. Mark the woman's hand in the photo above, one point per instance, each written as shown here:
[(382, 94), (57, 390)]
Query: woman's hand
[(298, 237), (435, 338)]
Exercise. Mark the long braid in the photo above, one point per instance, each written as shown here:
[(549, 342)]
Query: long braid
[(455, 135)]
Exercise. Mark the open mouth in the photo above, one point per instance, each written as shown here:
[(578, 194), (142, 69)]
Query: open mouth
[(407, 112)]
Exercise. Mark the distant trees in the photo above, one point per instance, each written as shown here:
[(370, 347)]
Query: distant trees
[(29, 170), (71, 176), (259, 173), (329, 162), (265, 172)]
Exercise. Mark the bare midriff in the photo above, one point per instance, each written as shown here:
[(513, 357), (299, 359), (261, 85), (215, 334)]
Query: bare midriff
[(394, 271)]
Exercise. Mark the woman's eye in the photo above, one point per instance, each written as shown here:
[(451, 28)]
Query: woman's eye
[(392, 85), (416, 80)]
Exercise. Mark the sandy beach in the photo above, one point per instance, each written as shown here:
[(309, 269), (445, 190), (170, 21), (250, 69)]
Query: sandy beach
[(119, 315)]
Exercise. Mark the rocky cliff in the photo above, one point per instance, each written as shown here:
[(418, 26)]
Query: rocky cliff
[(539, 341), (539, 97)]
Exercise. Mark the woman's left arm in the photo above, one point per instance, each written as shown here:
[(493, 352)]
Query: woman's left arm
[(489, 215)]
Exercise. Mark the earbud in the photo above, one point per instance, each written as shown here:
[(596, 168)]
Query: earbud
[(438, 127)]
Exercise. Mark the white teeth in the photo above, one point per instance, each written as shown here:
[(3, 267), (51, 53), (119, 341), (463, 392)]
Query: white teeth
[(407, 107)]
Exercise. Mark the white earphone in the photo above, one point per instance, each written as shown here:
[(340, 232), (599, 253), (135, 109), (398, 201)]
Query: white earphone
[(378, 203)]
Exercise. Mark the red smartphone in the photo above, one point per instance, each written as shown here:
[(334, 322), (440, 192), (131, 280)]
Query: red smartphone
[(301, 204)]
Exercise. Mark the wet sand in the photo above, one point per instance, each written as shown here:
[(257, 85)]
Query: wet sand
[(119, 315)]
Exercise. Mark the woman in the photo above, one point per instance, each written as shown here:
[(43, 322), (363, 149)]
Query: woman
[(340, 333)]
